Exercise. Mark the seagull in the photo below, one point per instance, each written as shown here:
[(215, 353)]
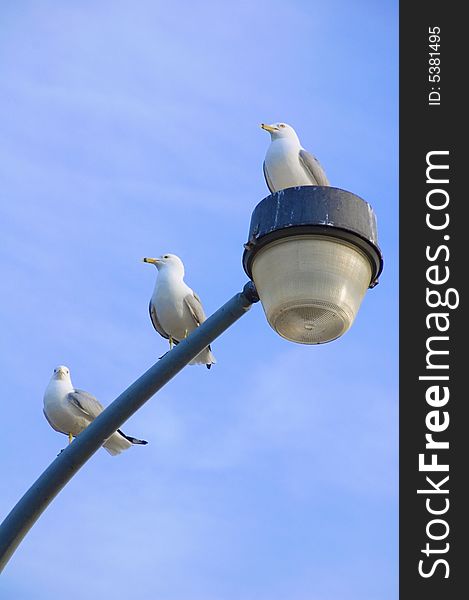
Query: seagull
[(175, 309), (69, 411), (287, 164)]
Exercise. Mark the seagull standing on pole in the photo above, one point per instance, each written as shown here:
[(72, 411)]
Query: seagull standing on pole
[(175, 309), (287, 164), (69, 411)]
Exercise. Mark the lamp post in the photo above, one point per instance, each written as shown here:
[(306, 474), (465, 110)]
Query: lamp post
[(312, 252)]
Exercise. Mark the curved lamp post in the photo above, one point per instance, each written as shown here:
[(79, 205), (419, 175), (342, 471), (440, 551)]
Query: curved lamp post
[(312, 253)]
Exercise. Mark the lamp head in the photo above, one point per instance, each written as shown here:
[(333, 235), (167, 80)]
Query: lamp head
[(312, 254)]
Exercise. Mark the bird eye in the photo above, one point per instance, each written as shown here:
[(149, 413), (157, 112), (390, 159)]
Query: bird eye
[(165, 256), (281, 125)]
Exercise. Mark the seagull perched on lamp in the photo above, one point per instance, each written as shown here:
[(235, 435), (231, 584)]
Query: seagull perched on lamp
[(69, 411), (175, 309), (287, 164)]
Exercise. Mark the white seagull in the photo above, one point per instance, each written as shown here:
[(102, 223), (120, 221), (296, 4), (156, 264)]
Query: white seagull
[(287, 164), (175, 309), (69, 411)]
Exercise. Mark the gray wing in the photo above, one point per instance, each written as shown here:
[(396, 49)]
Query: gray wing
[(313, 167), (267, 178), (86, 403), (193, 303), (155, 322)]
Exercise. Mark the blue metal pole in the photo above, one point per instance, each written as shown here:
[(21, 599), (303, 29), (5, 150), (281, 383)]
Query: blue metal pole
[(63, 468)]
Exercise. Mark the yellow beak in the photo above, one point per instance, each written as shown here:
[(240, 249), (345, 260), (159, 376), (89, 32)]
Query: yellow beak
[(268, 128), (152, 261)]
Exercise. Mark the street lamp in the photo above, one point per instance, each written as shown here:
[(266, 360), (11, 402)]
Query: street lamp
[(312, 252)]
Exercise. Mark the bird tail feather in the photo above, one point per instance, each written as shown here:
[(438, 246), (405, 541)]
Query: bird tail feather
[(205, 357), (119, 441), (133, 440)]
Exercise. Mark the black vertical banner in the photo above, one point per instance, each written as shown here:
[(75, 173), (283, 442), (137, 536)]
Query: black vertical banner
[(434, 259)]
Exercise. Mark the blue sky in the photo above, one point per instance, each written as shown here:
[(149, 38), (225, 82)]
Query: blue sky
[(131, 129)]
